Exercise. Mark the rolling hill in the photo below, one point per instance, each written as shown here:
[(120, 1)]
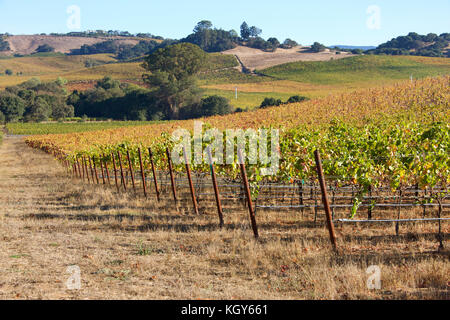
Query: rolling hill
[(27, 44), (257, 59), (314, 78)]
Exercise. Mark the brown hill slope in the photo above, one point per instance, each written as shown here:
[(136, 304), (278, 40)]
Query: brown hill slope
[(27, 44)]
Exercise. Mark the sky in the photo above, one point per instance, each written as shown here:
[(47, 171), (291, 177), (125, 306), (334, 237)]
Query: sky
[(344, 22)]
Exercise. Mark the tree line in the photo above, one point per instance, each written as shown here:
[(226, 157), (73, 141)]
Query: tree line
[(204, 35), (34, 101), (172, 93), (431, 45)]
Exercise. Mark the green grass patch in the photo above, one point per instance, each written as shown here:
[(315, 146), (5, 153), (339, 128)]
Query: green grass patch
[(229, 76), (219, 61), (359, 69), (53, 128), (248, 100)]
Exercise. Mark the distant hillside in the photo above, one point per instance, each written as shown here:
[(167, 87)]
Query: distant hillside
[(364, 48), (430, 45), (360, 69), (27, 44), (258, 59)]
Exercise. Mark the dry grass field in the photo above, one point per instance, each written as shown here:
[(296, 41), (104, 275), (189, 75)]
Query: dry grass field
[(27, 44), (131, 248)]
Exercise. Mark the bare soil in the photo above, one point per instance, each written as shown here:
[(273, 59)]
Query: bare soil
[(257, 59), (131, 248)]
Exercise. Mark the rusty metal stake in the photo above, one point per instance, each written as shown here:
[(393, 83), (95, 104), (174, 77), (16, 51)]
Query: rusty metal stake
[(115, 172), (191, 185), (325, 200), (155, 179), (121, 171), (172, 180), (144, 185), (248, 194), (131, 170), (216, 188)]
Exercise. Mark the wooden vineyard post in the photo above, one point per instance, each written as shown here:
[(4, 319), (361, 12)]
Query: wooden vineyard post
[(144, 185), (131, 170), (115, 172), (155, 179), (248, 195), (87, 171), (191, 185), (216, 188), (325, 200), (95, 170), (172, 179), (82, 168), (79, 168), (92, 170), (103, 172), (121, 171), (107, 171)]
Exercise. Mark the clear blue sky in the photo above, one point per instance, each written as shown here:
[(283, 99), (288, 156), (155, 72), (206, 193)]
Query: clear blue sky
[(327, 21)]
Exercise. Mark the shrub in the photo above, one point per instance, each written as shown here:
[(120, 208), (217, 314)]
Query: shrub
[(270, 102), (295, 99), (288, 44), (318, 47), (209, 106), (45, 48)]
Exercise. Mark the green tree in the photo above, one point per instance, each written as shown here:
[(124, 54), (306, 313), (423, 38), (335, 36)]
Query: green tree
[(11, 106), (289, 43), (318, 47), (215, 105), (274, 43), (202, 26), (45, 48), (297, 98), (9, 72), (245, 31), (39, 111), (270, 102), (255, 31), (107, 83), (173, 70)]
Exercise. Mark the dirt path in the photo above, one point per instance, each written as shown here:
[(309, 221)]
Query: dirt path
[(129, 248)]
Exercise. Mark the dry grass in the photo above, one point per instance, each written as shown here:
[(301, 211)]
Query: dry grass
[(27, 44), (258, 59), (132, 248)]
